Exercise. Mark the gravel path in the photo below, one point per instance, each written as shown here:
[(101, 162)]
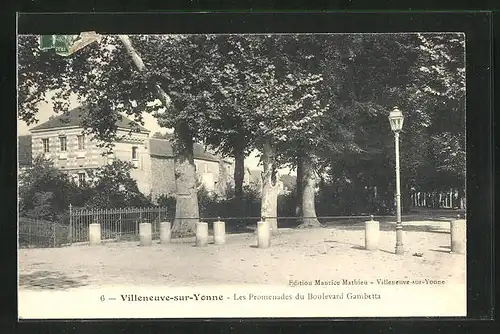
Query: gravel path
[(295, 254)]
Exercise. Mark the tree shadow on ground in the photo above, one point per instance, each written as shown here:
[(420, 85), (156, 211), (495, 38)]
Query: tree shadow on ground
[(440, 251), (51, 280), (387, 227), (359, 247)]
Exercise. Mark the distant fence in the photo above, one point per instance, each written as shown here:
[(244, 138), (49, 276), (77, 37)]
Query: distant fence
[(116, 224), (443, 200), (38, 233)]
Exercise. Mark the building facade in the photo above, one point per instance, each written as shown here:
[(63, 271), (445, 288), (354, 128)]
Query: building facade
[(212, 172), (253, 179), (62, 140)]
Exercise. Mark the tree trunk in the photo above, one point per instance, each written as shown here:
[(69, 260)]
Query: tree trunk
[(239, 171), (137, 60), (221, 188), (269, 207), (299, 187), (186, 208), (308, 188), (239, 174)]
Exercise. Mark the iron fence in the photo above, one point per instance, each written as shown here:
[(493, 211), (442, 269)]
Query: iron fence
[(116, 224), (38, 233), (435, 199)]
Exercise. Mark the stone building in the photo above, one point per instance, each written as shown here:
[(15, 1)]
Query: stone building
[(61, 139), (214, 173), (253, 179)]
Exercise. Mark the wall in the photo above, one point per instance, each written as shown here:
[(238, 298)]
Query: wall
[(71, 160), (162, 174), (154, 175), (208, 173), (123, 151), (75, 161), (226, 177)]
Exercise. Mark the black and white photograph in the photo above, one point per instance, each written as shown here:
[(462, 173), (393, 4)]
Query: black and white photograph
[(241, 175)]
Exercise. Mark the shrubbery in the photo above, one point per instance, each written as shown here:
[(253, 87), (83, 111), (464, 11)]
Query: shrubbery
[(45, 192), (227, 205)]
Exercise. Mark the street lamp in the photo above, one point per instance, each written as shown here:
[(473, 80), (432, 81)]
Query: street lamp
[(396, 119)]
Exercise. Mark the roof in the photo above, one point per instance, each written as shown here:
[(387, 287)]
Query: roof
[(24, 149), (163, 148), (74, 118)]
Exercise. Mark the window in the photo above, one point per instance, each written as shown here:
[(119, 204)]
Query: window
[(62, 140), (134, 153), (81, 179), (81, 142), (45, 143), (202, 168)]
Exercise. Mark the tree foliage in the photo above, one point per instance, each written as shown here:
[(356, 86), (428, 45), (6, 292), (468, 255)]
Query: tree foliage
[(424, 76), (46, 192), (321, 98), (112, 186)]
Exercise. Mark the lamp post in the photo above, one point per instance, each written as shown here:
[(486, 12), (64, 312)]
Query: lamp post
[(396, 119)]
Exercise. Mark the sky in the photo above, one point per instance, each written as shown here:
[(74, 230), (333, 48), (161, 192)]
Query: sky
[(46, 110)]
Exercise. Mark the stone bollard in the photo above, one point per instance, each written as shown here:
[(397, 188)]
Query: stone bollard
[(263, 234), (219, 232), (95, 234), (165, 232), (458, 235), (201, 234), (145, 236), (371, 234)]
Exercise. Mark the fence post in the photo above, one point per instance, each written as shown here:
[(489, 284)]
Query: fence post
[(159, 217), (137, 225), (95, 233), (165, 232), (219, 232), (371, 234), (263, 233), (201, 234), (145, 237), (70, 223), (458, 235)]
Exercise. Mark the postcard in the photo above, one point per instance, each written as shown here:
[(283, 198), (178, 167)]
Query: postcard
[(282, 175)]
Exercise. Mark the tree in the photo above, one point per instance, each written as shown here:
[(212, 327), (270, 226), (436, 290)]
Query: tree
[(287, 108), (440, 72), (112, 186), (424, 76), (231, 86), (316, 131), (45, 192), (111, 78)]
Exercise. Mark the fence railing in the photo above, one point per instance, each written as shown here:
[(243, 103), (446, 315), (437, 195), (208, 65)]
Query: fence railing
[(444, 200), (38, 233), (116, 224), (123, 224)]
